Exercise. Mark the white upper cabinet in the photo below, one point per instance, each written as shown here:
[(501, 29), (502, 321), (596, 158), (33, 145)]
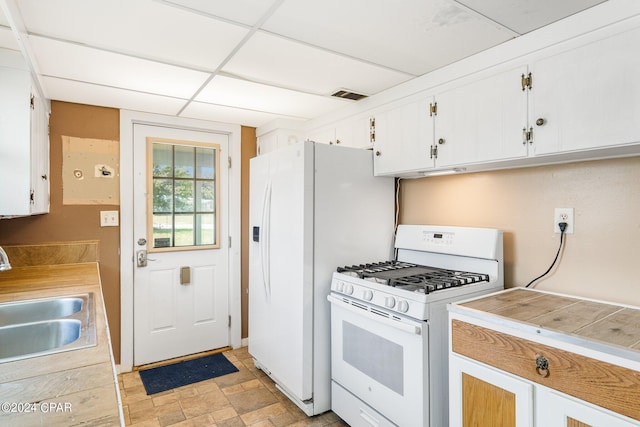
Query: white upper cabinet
[(586, 93), (404, 137), (482, 118), (351, 132), (276, 139), (24, 141), (354, 132)]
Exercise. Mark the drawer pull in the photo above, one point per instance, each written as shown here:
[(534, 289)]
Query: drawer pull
[(542, 366)]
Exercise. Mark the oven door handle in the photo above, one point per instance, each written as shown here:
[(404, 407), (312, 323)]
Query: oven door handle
[(413, 329)]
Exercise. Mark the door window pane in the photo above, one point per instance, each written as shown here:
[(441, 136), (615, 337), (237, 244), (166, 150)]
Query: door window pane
[(184, 161), (205, 163), (162, 160), (185, 186), (162, 231), (205, 229), (184, 196)]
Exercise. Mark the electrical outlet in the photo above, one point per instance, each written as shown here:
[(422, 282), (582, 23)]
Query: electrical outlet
[(563, 215), (108, 218)]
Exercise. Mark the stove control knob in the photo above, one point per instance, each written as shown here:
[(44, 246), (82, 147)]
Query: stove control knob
[(339, 286), (368, 295), (403, 306), (348, 288), (389, 302)]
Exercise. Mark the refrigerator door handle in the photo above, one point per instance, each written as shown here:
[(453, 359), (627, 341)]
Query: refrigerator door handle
[(264, 241)]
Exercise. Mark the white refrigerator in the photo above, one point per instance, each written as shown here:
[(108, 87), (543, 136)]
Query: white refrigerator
[(313, 208)]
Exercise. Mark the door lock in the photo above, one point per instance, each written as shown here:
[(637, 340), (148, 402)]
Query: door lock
[(141, 258)]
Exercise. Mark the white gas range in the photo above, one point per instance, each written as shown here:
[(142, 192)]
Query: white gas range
[(389, 323)]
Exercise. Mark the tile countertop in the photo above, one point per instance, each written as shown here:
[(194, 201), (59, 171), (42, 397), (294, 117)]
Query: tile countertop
[(75, 387), (601, 326)]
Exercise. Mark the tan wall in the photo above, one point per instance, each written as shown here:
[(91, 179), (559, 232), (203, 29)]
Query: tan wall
[(248, 150), (82, 222), (77, 222), (600, 260)]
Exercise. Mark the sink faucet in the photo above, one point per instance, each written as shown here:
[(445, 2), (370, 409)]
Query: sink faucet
[(4, 260)]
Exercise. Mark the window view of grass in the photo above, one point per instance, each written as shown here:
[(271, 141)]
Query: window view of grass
[(184, 183)]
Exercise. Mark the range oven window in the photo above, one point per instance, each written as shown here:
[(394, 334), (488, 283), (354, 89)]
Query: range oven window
[(373, 355)]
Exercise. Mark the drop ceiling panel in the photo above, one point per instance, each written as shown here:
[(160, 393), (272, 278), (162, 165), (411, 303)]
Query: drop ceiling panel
[(286, 63), (7, 39), (143, 28), (218, 113), (523, 16), (74, 62), (258, 97), (414, 36), (247, 12), (85, 93)]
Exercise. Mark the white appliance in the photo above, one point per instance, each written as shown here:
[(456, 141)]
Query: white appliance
[(389, 323), (313, 206)]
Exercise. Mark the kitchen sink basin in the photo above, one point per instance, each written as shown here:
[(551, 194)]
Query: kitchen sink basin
[(38, 310), (31, 338), (40, 327)]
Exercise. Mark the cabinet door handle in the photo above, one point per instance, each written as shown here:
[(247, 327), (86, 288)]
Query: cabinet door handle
[(542, 366)]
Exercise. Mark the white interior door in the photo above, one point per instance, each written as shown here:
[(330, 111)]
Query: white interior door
[(181, 303)]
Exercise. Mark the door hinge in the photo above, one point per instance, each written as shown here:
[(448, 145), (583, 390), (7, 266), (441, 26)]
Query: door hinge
[(229, 322), (433, 109), (526, 81), (229, 160), (229, 241), (32, 101), (527, 136), (372, 130), (433, 152)]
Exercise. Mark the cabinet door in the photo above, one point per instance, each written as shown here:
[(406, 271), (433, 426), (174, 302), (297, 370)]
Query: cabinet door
[(323, 135), (403, 138), (555, 409), (483, 119), (39, 158), (15, 141), (353, 133), (587, 96), (483, 396)]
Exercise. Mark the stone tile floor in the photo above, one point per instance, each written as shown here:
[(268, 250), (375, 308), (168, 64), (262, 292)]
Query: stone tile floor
[(244, 398)]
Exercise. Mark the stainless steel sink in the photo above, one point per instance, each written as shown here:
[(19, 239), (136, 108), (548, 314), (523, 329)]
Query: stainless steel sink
[(31, 338), (37, 310), (45, 326)]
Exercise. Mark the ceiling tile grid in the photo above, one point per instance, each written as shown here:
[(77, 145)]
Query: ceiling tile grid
[(253, 61)]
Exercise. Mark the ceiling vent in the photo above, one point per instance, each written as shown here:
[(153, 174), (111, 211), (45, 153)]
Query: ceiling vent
[(345, 94)]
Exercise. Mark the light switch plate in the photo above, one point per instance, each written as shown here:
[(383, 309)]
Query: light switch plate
[(109, 219)]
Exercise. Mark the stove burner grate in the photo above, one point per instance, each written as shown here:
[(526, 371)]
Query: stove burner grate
[(413, 277)]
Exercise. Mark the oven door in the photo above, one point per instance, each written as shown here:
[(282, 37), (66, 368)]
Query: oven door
[(381, 358)]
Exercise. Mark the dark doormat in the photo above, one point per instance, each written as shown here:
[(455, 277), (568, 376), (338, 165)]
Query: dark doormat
[(191, 371)]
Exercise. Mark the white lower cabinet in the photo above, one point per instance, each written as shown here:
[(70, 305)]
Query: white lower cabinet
[(482, 396), (555, 409), (499, 378)]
